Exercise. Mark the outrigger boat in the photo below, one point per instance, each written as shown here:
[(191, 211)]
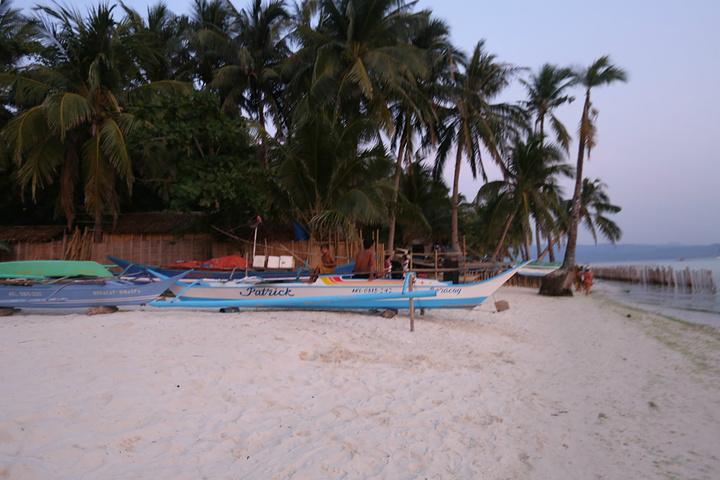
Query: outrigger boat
[(52, 268), (538, 269), (82, 292), (301, 273), (333, 292)]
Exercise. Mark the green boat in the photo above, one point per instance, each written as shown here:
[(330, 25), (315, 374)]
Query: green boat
[(52, 269)]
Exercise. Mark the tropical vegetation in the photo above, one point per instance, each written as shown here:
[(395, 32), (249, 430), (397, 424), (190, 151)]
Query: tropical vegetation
[(339, 115)]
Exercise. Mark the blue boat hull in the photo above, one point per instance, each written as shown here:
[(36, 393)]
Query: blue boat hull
[(83, 294)]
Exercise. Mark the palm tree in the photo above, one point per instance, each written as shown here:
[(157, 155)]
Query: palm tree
[(530, 187), (594, 207), (73, 114), (546, 92), (252, 80), (415, 116), (18, 36), (364, 59), (601, 72), (156, 43), (18, 41), (328, 183), (209, 41), (355, 63), (470, 121)]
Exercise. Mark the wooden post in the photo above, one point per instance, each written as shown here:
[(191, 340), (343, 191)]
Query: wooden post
[(464, 257), (412, 306), (436, 261)]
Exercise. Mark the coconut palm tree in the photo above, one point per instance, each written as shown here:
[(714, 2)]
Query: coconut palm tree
[(209, 41), (73, 113), (546, 92), (530, 188), (415, 116), (364, 59), (601, 72), (328, 183), (470, 121), (252, 80), (594, 207), (18, 36), (157, 43)]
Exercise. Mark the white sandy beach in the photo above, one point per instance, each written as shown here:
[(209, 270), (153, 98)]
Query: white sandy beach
[(554, 388)]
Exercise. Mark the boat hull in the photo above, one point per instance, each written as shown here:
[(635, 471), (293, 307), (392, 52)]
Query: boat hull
[(83, 294), (347, 293)]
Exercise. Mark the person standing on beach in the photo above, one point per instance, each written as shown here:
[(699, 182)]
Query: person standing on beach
[(587, 280), (365, 261), (328, 260), (578, 278)]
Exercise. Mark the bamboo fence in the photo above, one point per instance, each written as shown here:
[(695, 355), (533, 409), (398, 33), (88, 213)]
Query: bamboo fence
[(700, 280)]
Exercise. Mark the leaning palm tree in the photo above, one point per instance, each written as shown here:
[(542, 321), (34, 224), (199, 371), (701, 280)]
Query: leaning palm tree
[(530, 188), (470, 121), (601, 72), (73, 115)]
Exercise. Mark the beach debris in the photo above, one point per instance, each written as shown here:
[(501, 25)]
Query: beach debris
[(6, 312), (389, 313), (100, 310), (502, 305)]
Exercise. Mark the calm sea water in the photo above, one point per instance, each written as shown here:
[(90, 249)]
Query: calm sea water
[(683, 303)]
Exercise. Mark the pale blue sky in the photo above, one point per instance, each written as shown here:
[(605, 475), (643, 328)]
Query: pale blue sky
[(656, 146)]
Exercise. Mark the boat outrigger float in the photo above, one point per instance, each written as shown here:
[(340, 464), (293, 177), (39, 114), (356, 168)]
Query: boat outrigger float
[(333, 292)]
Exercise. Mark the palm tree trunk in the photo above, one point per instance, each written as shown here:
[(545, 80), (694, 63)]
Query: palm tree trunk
[(455, 234), (569, 260), (506, 228), (396, 190), (551, 247), (98, 229), (559, 282)]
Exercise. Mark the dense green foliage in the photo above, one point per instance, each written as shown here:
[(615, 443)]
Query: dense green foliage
[(198, 159), (338, 114)]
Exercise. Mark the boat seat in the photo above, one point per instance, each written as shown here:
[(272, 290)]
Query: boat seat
[(287, 261), (259, 261), (273, 262)]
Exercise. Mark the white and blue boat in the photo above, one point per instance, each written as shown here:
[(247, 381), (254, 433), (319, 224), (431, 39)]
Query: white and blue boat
[(333, 292)]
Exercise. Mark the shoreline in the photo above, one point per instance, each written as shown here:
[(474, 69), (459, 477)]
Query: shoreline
[(700, 317), (559, 388)]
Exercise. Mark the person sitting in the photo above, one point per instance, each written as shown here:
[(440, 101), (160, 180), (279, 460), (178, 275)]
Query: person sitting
[(365, 261), (328, 260)]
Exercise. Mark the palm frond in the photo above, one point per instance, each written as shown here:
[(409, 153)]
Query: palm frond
[(66, 111)]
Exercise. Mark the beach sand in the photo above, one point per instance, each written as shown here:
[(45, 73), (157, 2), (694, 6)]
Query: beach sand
[(553, 388)]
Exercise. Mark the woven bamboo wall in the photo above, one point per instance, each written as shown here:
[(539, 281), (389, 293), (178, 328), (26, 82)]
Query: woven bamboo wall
[(164, 249)]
